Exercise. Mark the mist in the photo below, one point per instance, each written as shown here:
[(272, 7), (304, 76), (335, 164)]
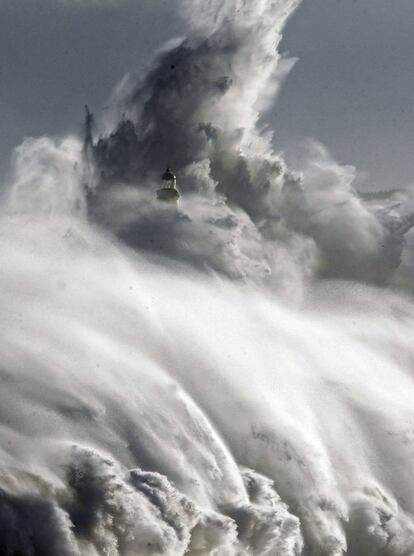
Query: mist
[(232, 376)]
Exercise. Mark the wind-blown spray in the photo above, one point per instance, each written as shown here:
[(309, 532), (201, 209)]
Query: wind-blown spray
[(197, 110), (170, 398)]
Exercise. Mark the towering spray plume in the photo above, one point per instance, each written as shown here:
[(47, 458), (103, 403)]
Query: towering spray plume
[(198, 108), (149, 408)]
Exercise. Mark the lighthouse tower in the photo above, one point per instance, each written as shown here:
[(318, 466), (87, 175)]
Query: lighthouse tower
[(168, 192)]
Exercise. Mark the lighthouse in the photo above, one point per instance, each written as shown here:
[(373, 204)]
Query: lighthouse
[(168, 192)]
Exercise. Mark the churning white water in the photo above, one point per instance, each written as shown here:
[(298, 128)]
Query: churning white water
[(240, 379), (147, 409)]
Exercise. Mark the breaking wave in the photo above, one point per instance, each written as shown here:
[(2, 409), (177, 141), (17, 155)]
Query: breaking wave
[(233, 377), (146, 409)]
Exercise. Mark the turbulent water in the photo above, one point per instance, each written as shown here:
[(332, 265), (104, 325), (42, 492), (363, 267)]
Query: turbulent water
[(233, 377)]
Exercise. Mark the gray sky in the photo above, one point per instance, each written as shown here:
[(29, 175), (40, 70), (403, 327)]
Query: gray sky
[(353, 88), (56, 55)]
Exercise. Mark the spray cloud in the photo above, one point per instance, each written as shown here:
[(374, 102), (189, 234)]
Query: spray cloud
[(165, 399)]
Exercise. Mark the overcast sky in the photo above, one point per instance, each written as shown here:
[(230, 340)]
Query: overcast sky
[(353, 88)]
